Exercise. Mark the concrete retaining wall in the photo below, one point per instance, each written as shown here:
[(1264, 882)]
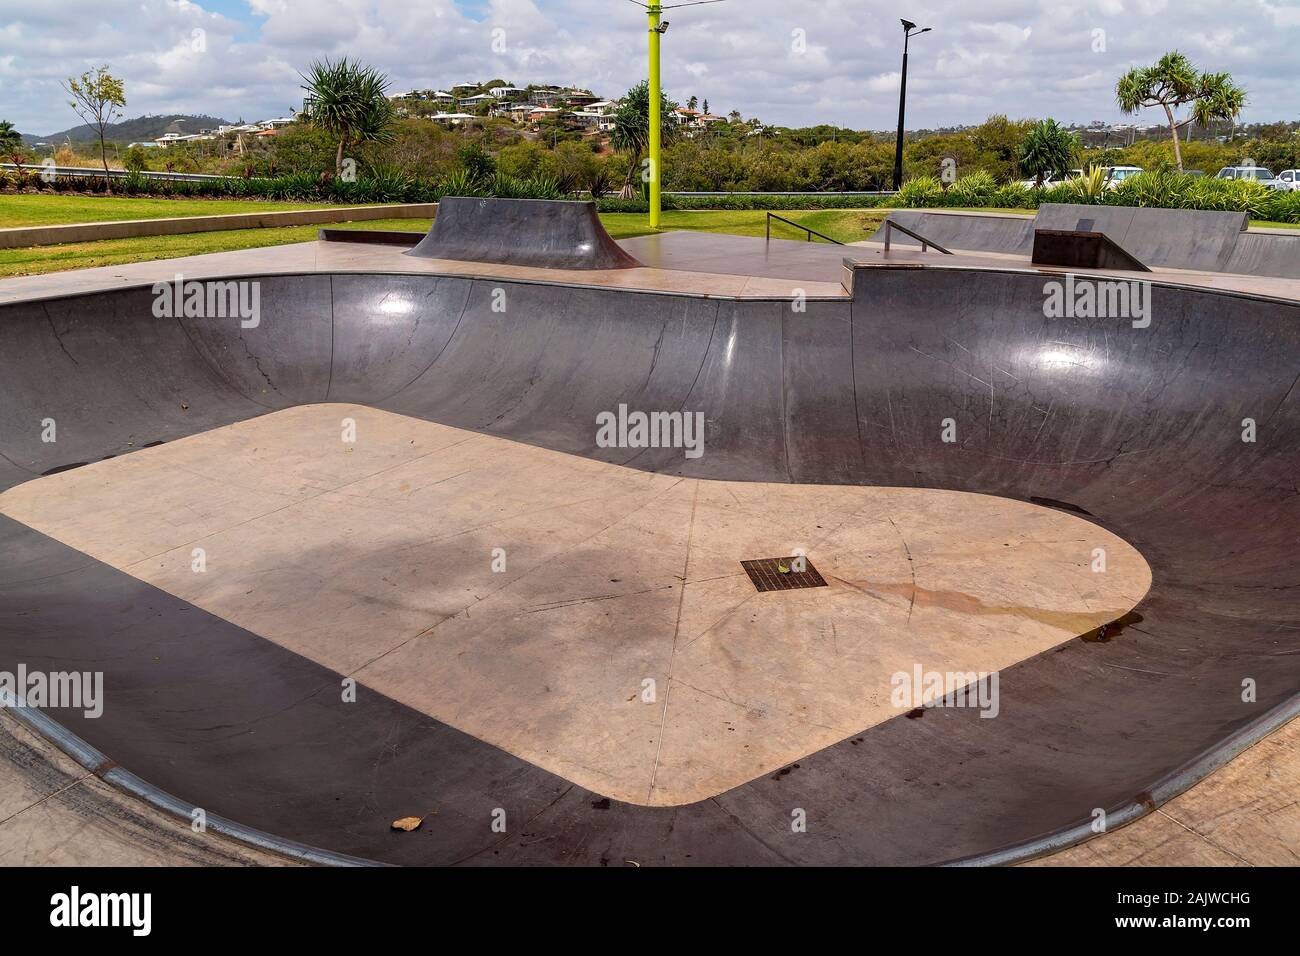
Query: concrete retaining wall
[(131, 228)]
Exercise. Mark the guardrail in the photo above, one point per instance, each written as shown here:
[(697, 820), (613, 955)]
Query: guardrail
[(798, 225), (93, 172)]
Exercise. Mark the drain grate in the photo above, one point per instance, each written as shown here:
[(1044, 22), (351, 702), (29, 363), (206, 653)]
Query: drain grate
[(763, 572)]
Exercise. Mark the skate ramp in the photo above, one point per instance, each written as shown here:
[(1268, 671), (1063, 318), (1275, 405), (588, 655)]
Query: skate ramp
[(549, 234), (1136, 430)]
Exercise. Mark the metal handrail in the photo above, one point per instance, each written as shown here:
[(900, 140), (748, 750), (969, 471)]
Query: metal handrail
[(798, 225), (925, 243)]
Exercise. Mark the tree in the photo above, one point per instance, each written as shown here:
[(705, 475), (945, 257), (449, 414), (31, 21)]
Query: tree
[(631, 132), (134, 160), (693, 102), (1173, 82), (98, 98), (706, 106), (349, 101), (1047, 148), (10, 139), (734, 116)]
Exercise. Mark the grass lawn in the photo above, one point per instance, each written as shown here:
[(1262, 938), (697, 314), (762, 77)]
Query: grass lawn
[(846, 225), (110, 252), (42, 209)]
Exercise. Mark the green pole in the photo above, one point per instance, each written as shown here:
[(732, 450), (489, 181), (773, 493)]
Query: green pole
[(653, 13)]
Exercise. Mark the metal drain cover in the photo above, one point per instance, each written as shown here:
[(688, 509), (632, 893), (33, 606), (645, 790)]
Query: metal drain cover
[(763, 572)]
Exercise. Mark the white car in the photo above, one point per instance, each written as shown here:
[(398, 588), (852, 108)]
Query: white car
[(1288, 180), (1257, 173), (1051, 179), (1117, 174)]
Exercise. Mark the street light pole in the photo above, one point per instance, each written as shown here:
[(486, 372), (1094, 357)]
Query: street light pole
[(909, 28), (652, 13)]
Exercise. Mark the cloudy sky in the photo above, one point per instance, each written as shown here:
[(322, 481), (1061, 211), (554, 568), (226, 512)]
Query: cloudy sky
[(793, 62)]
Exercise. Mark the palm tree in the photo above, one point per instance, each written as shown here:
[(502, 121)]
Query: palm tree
[(348, 101), (1048, 147), (10, 139), (631, 132), (1174, 82)]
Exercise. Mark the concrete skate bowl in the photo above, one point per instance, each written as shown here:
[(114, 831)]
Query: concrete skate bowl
[(1134, 431)]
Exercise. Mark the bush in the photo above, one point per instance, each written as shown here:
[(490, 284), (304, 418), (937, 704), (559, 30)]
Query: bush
[(973, 189), (919, 192)]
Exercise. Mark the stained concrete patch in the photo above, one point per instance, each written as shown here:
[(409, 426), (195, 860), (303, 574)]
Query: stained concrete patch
[(590, 618)]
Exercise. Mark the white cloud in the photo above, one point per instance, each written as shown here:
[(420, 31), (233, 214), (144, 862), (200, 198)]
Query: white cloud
[(1021, 57)]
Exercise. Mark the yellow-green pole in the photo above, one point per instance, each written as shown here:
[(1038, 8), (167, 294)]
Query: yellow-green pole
[(653, 12)]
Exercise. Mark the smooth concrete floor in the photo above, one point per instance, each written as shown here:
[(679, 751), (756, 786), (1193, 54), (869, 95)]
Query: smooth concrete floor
[(622, 646)]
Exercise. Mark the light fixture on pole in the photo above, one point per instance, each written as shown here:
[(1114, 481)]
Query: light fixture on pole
[(909, 31), (657, 29)]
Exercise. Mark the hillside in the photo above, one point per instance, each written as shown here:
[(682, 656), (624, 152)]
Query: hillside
[(132, 130)]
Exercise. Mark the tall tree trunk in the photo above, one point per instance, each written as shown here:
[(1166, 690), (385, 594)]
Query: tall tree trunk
[(1173, 131), (338, 157), (103, 158)]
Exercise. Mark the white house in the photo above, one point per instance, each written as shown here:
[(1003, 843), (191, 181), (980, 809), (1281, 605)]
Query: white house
[(453, 119)]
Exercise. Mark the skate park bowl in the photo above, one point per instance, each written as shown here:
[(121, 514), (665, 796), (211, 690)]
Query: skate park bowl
[(375, 556)]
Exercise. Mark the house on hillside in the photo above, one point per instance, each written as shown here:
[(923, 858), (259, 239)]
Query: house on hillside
[(454, 119), (482, 99)]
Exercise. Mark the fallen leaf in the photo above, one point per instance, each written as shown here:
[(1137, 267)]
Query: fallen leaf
[(408, 823)]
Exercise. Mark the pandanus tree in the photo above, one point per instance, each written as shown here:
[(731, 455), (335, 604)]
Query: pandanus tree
[(631, 132), (1172, 83), (348, 100), (10, 139)]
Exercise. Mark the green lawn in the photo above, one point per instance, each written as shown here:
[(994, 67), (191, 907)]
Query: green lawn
[(110, 252), (42, 209), (846, 225)]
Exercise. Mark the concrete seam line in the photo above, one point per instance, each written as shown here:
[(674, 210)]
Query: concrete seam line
[(99, 764)]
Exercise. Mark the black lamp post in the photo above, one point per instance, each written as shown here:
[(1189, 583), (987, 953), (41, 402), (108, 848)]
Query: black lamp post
[(909, 30)]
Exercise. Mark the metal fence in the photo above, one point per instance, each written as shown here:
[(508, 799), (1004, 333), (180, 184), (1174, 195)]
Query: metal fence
[(93, 172)]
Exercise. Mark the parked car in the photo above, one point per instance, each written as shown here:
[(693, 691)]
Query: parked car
[(1117, 174), (1257, 173), (1288, 180), (1051, 179)]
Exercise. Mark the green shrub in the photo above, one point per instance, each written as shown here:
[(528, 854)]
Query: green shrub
[(973, 189), (919, 192), (1014, 196)]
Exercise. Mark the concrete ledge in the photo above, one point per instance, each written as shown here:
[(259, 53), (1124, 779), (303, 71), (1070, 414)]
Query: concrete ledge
[(131, 228)]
